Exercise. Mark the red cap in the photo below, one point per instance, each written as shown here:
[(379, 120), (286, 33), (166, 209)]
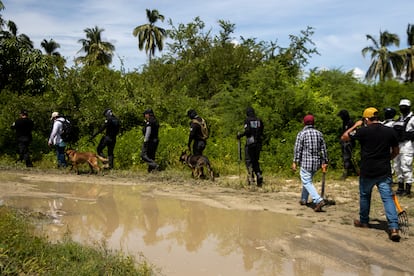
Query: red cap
[(309, 120)]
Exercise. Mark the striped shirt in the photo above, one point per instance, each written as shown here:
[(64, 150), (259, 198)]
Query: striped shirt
[(310, 149)]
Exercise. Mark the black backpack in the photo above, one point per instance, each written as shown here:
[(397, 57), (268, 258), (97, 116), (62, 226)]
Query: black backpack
[(69, 132)]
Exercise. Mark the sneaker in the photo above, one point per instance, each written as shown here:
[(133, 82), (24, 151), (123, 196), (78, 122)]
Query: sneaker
[(318, 206), (359, 224), (394, 236)]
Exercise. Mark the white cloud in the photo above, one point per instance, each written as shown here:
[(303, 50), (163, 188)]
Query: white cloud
[(340, 26)]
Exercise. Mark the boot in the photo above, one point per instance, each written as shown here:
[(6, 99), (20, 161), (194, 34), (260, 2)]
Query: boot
[(400, 189), (259, 178), (111, 162), (407, 190)]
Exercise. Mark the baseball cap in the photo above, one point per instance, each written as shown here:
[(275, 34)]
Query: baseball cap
[(54, 115), (309, 119), (370, 112), (405, 102), (24, 112)]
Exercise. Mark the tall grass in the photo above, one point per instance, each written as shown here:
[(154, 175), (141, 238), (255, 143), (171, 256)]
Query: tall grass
[(22, 253)]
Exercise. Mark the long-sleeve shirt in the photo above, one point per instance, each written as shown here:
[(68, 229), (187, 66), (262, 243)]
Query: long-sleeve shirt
[(55, 137), (310, 149)]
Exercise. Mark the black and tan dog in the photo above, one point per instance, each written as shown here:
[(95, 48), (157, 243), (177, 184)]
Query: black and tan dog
[(197, 163), (77, 157)]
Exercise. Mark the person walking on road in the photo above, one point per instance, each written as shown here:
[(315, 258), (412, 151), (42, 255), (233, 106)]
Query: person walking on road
[(379, 145), (253, 130), (150, 132), (310, 154), (24, 127)]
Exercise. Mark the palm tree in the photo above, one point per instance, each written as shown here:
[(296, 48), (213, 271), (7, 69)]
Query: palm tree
[(20, 41), (384, 62), (408, 54), (50, 47), (150, 35), (98, 52)]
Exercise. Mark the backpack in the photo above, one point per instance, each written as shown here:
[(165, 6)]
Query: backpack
[(400, 127), (203, 126), (69, 133)]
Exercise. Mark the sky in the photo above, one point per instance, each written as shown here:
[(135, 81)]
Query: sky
[(340, 26)]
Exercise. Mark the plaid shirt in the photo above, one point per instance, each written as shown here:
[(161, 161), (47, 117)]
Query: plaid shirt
[(310, 149)]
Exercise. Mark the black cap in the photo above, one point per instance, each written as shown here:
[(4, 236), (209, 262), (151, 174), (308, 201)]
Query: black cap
[(148, 111), (24, 112)]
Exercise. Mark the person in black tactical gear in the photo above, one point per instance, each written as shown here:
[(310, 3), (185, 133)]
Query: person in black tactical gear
[(347, 147), (253, 130), (23, 127), (112, 126), (150, 132), (196, 136), (389, 114)]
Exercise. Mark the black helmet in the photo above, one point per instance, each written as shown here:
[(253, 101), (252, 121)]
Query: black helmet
[(107, 112), (250, 112), (389, 113), (148, 111), (344, 114), (192, 113)]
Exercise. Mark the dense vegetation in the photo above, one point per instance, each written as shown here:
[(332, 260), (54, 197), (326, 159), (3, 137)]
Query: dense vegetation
[(22, 253), (199, 70)]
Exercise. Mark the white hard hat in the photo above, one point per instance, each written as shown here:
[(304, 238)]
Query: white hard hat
[(405, 102)]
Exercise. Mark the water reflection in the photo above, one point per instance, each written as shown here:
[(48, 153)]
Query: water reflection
[(181, 237)]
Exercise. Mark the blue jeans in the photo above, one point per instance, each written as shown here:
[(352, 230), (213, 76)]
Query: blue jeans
[(385, 190), (60, 154), (308, 187)]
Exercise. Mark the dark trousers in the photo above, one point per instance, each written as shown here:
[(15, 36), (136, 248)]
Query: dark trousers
[(23, 151), (252, 156), (198, 147), (347, 158), (148, 152), (109, 143)]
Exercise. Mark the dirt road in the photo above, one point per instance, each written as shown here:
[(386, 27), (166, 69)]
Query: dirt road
[(331, 240)]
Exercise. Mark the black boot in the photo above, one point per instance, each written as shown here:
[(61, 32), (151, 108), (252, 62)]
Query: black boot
[(111, 162), (259, 178), (400, 189), (407, 190)]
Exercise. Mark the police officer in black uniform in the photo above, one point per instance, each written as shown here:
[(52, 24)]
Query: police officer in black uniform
[(196, 136), (253, 130), (112, 126), (347, 147), (24, 127), (150, 132)]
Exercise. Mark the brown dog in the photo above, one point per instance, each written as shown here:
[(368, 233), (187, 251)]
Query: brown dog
[(91, 158), (197, 163)]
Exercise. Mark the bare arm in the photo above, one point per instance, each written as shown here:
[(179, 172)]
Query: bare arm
[(345, 137), (394, 152)]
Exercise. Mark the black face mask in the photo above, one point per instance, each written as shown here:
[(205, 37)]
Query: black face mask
[(405, 109)]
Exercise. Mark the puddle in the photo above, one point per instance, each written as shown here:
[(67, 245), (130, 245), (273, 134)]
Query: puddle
[(180, 237)]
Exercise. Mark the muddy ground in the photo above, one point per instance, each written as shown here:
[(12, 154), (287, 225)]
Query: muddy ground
[(332, 239)]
